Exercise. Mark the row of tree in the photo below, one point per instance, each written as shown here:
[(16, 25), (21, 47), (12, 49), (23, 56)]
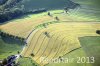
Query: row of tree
[(35, 11), (3, 34)]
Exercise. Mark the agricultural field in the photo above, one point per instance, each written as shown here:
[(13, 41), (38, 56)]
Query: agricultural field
[(49, 38), (27, 23), (60, 41), (53, 35), (27, 62), (91, 46)]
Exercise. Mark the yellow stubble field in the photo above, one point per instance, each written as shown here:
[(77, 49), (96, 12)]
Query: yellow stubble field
[(63, 39)]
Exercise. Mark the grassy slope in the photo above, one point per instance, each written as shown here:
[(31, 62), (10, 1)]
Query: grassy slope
[(7, 49), (89, 9), (91, 45), (92, 3), (93, 14), (26, 62)]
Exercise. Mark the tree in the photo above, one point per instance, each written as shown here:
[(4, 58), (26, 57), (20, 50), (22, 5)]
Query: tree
[(56, 18), (45, 25), (47, 34), (49, 14), (32, 54), (4, 62), (66, 9), (98, 31), (18, 52), (11, 3)]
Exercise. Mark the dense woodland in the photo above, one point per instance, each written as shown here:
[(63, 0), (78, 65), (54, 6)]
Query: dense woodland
[(9, 9)]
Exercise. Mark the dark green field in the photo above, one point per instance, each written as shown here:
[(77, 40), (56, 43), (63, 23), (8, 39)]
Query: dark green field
[(91, 46), (9, 47), (27, 62)]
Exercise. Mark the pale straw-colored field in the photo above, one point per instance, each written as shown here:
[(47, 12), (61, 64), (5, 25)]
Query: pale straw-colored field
[(63, 39)]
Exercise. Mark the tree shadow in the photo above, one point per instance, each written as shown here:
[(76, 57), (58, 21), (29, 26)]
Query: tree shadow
[(10, 40)]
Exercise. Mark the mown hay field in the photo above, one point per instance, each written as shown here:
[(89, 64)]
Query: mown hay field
[(63, 38)]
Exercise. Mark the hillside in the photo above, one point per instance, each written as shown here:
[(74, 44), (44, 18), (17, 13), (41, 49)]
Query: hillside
[(50, 30), (12, 9)]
